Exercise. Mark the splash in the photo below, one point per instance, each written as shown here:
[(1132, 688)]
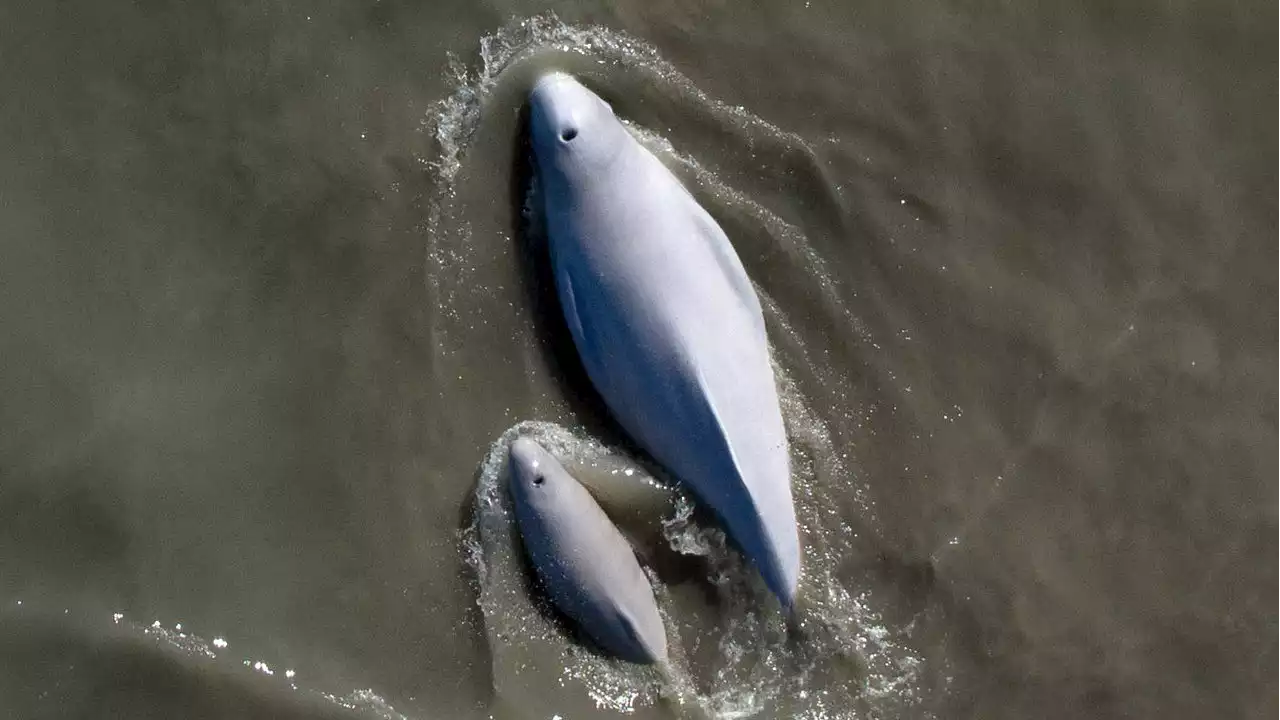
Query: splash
[(849, 663)]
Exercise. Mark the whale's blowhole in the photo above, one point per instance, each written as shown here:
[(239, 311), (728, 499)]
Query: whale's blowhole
[(568, 134)]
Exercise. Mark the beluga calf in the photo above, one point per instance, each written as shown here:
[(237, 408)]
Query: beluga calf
[(666, 321), (586, 565)]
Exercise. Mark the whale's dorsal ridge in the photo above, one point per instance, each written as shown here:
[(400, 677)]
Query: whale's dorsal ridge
[(720, 432), (582, 331), (571, 316), (652, 648), (727, 258)]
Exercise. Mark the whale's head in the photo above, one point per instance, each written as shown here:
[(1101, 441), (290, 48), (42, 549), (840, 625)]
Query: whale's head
[(537, 478), (575, 134)]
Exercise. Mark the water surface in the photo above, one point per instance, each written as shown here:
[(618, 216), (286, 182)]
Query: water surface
[(273, 301)]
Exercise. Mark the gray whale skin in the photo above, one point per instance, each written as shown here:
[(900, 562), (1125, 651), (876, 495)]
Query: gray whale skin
[(666, 321), (586, 565)]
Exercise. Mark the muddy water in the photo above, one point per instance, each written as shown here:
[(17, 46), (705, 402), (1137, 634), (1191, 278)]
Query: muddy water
[(274, 299)]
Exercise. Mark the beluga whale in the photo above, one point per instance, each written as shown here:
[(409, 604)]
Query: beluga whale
[(586, 565), (666, 321)]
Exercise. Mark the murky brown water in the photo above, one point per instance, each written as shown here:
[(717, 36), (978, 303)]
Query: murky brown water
[(270, 304)]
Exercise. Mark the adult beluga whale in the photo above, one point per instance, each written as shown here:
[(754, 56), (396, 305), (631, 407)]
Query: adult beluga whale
[(666, 321), (587, 566)]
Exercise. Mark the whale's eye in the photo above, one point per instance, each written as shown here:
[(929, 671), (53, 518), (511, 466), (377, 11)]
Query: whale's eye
[(568, 134), (539, 479)]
